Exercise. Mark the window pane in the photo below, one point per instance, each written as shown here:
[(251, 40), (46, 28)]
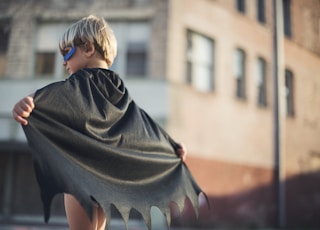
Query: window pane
[(287, 17), (200, 61), (202, 49), (133, 48), (45, 64), (189, 72), (239, 63), (137, 49), (261, 11), (3, 64), (47, 54), (48, 36), (241, 6), (189, 58), (289, 93), (202, 81), (261, 82), (4, 38), (239, 69), (136, 60)]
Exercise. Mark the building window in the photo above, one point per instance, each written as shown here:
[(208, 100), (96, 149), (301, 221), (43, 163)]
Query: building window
[(241, 6), (48, 60), (261, 11), (289, 81), (287, 17), (45, 63), (200, 61), (239, 73), (261, 82), (133, 48), (4, 37), (136, 59)]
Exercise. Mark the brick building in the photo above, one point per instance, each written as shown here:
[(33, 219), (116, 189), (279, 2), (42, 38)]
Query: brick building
[(207, 68), (220, 68)]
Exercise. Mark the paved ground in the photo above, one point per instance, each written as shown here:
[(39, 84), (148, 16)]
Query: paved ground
[(158, 223), (115, 225), (120, 226)]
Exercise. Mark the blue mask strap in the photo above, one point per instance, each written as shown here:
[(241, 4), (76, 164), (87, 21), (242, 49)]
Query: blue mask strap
[(69, 54)]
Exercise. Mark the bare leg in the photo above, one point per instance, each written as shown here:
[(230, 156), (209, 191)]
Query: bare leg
[(101, 219), (78, 218)]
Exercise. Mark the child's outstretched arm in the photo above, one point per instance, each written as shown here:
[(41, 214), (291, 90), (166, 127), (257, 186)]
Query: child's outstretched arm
[(22, 109)]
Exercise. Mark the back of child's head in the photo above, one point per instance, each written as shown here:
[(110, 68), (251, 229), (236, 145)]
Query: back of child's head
[(93, 30)]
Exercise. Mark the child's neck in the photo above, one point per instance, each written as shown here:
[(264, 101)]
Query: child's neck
[(98, 63)]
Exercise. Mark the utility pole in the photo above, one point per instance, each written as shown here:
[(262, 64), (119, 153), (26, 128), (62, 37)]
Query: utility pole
[(279, 111)]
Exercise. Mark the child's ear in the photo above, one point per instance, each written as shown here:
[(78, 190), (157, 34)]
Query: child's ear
[(89, 48)]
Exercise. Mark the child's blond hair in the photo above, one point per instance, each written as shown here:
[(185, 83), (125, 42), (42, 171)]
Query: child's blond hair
[(94, 30)]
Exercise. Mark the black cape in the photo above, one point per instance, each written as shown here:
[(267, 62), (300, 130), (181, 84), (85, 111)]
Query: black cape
[(88, 138)]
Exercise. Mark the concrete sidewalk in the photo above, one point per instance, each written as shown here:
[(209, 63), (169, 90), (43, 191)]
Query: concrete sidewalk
[(114, 226), (28, 223)]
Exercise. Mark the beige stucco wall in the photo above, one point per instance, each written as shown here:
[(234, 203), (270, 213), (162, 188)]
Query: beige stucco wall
[(218, 126), (230, 142), (303, 131)]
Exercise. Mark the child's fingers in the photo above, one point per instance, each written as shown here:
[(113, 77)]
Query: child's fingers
[(20, 119), (22, 109), (22, 112), (182, 151), (27, 103), (26, 109)]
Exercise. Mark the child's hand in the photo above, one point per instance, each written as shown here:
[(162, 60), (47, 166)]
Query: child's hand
[(23, 109), (182, 152)]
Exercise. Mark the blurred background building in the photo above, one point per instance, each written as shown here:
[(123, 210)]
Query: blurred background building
[(204, 69)]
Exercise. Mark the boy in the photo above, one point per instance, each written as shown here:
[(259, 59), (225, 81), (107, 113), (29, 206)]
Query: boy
[(92, 142)]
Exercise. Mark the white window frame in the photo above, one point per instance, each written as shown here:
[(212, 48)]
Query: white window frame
[(240, 73), (127, 33), (47, 40), (200, 61)]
